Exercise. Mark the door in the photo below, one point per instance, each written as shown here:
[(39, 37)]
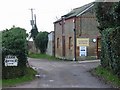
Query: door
[(98, 47)]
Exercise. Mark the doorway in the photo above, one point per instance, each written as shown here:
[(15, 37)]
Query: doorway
[(98, 47)]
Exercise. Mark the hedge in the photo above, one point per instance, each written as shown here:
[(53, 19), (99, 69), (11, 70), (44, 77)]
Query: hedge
[(14, 43), (110, 50)]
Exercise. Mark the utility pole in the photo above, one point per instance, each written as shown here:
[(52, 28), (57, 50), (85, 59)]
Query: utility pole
[(35, 18), (32, 21)]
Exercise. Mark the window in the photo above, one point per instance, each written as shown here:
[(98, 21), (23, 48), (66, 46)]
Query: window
[(70, 43), (57, 42)]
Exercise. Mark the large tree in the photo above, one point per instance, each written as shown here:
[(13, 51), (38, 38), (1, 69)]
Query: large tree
[(41, 41)]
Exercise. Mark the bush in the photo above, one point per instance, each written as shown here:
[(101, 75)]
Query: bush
[(14, 43), (108, 16), (110, 53)]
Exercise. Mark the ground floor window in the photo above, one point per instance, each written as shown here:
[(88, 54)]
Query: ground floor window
[(58, 42)]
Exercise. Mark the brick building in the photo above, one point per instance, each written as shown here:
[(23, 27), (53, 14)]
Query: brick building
[(76, 34)]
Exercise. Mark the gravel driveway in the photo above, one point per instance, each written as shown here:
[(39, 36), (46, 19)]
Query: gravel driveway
[(63, 74)]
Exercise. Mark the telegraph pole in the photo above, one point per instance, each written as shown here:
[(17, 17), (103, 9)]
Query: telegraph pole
[(35, 18), (32, 21)]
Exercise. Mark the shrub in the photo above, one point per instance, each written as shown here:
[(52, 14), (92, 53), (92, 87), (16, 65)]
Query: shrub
[(14, 43), (108, 16), (110, 55)]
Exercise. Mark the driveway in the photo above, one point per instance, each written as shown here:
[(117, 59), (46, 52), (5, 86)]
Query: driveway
[(63, 74)]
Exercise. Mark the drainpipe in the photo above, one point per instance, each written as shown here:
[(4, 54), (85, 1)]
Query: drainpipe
[(74, 29), (54, 40)]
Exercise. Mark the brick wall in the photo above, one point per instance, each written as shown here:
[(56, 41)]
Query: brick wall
[(69, 33), (86, 27), (58, 34)]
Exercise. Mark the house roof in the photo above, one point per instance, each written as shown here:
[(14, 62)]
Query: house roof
[(77, 11)]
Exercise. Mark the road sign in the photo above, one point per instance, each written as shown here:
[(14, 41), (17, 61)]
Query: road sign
[(11, 60)]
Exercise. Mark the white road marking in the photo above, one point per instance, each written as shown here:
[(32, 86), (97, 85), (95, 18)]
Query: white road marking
[(51, 80)]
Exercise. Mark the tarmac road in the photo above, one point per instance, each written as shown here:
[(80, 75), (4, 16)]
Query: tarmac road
[(63, 74)]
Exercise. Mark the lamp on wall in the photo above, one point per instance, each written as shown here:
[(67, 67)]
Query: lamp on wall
[(94, 40)]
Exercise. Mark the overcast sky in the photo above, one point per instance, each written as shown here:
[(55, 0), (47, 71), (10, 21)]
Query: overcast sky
[(16, 12)]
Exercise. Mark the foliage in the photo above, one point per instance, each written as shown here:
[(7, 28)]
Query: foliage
[(110, 55), (0, 47), (116, 14), (104, 14), (34, 32), (30, 73), (41, 41), (14, 43), (106, 75), (108, 16)]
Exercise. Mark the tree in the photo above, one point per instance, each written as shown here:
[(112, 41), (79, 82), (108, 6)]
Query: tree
[(41, 41), (116, 13), (104, 14), (108, 16), (34, 32)]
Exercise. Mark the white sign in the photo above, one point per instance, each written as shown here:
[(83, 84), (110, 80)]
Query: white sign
[(11, 60), (83, 51)]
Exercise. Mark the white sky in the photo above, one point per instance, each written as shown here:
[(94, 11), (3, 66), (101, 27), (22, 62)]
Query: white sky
[(16, 12)]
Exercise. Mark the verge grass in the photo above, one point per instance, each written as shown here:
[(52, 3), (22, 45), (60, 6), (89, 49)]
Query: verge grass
[(107, 76), (30, 75)]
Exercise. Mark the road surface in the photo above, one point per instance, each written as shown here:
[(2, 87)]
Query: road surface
[(63, 74)]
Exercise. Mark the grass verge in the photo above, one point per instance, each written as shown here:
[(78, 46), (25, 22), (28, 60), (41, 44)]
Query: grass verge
[(30, 75), (107, 76), (42, 56)]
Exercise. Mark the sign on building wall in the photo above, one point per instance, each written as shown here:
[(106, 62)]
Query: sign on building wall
[(83, 51), (11, 60), (82, 41)]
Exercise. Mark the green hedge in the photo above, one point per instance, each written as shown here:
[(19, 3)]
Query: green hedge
[(14, 43), (110, 50), (108, 16)]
